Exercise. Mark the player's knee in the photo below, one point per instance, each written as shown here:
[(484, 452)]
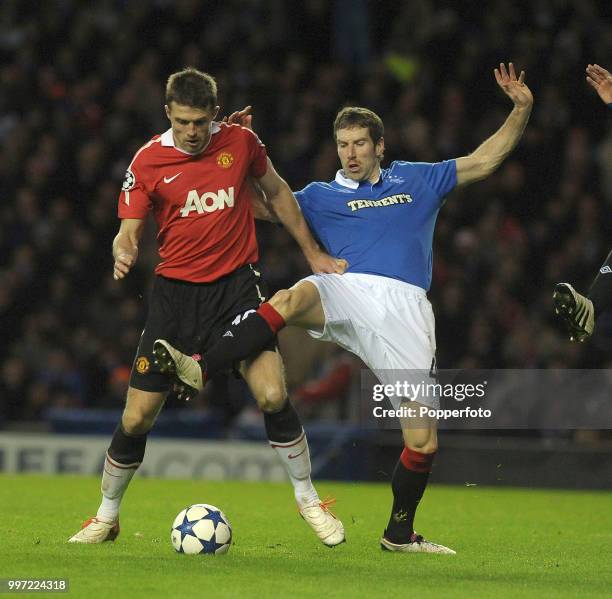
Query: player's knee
[(283, 302), (138, 418), (137, 423), (272, 398), (422, 444)]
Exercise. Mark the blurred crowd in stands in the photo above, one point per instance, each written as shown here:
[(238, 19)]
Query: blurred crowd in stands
[(81, 89)]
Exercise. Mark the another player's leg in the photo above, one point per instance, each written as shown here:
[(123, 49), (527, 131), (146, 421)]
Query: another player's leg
[(579, 312), (299, 306), (408, 484), (264, 375), (123, 458)]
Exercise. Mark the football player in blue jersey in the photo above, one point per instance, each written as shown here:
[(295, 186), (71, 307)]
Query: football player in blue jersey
[(578, 311), (381, 221)]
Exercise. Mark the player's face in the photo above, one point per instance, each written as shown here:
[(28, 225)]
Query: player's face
[(359, 155), (190, 126)]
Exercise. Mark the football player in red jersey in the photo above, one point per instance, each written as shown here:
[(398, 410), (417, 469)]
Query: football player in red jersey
[(194, 178)]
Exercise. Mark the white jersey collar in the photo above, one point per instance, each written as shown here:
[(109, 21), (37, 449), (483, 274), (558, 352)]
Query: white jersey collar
[(167, 139), (351, 183)]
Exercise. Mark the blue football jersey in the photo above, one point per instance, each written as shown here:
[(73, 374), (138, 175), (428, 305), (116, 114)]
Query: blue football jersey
[(385, 228)]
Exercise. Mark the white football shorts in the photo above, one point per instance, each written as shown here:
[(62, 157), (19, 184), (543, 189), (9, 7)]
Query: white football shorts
[(389, 324)]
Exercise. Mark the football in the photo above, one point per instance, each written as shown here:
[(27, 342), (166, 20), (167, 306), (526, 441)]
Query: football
[(201, 528)]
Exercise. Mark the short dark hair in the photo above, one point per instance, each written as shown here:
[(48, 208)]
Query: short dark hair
[(356, 116), (191, 87)]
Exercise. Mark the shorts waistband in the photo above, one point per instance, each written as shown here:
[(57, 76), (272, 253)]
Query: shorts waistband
[(246, 267), (389, 282)]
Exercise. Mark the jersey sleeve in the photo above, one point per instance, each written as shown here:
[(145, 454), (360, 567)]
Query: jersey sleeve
[(300, 197), (134, 199), (304, 202), (258, 156), (441, 177)]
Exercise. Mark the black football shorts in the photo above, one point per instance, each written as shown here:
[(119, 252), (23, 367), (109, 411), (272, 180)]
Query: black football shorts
[(192, 316)]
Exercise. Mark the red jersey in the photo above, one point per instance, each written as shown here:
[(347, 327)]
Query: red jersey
[(200, 201)]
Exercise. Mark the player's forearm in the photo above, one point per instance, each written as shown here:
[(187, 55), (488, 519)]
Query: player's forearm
[(492, 152), (125, 243), (264, 212), (289, 213), (262, 209)]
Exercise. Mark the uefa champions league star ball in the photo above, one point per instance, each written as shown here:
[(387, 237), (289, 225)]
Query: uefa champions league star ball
[(201, 528)]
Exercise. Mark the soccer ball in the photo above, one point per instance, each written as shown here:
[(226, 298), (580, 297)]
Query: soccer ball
[(201, 528)]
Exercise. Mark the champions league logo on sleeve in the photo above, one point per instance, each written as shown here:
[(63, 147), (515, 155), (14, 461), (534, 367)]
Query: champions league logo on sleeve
[(129, 181)]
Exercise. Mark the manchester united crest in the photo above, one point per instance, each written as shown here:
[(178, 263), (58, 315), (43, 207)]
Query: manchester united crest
[(225, 160), (142, 365)]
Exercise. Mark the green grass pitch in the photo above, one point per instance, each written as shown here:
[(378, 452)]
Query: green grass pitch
[(509, 542)]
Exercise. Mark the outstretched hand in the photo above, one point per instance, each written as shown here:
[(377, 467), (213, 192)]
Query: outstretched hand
[(240, 117), (323, 262), (514, 88), (601, 81)]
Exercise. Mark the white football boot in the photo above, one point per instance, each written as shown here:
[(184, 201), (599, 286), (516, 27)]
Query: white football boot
[(96, 530), (417, 544), (324, 523), (184, 368)]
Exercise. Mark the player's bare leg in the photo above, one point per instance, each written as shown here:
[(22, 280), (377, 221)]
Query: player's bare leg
[(408, 484), (265, 377), (300, 306), (123, 458)]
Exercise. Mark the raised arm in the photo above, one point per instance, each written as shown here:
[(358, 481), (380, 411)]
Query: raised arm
[(286, 208), (125, 246), (601, 81), (492, 152)]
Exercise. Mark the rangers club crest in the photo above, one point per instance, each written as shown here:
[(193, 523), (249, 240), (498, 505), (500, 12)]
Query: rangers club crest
[(225, 160)]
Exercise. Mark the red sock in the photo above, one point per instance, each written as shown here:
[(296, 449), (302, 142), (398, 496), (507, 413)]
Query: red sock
[(275, 321), (417, 461)]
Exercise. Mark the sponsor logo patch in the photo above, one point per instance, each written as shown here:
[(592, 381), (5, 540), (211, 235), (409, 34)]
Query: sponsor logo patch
[(225, 160), (208, 201), (142, 365), (402, 198)]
